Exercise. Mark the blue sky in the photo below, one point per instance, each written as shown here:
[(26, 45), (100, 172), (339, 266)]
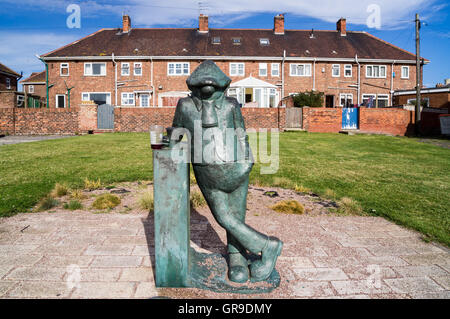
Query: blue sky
[(29, 27)]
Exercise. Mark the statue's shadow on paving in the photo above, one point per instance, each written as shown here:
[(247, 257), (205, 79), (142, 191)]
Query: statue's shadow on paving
[(209, 270)]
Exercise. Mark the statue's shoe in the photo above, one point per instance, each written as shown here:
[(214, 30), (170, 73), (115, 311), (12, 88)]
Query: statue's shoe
[(238, 268), (261, 269)]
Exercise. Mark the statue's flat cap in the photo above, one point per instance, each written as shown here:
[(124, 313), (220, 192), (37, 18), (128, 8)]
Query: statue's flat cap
[(208, 73)]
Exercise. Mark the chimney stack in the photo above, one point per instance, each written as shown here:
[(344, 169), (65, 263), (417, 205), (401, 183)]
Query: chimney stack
[(341, 26), (126, 21), (203, 23), (278, 24)]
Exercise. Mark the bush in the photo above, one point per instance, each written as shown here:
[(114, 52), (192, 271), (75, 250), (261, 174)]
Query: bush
[(312, 99), (289, 207), (106, 201), (92, 185), (77, 194), (47, 203), (73, 205), (348, 206), (59, 190), (197, 200), (146, 201)]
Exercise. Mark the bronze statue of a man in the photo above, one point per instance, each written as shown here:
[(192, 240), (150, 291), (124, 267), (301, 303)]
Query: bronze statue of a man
[(224, 180)]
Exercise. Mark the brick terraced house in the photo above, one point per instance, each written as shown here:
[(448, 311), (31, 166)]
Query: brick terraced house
[(148, 67), (35, 84)]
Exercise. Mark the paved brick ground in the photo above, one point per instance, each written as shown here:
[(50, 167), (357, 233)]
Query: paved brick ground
[(85, 255)]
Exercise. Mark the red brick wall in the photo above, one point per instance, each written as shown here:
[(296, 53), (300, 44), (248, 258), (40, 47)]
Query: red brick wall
[(140, 119), (437, 100), (387, 121), (7, 99), (264, 117), (7, 121), (3, 82), (321, 119), (46, 121)]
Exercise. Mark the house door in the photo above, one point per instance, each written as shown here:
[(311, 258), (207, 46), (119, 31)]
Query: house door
[(294, 117), (350, 119), (105, 117), (329, 101)]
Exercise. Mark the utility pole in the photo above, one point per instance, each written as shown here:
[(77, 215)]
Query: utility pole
[(418, 76)]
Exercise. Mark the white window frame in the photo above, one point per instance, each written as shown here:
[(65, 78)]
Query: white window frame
[(382, 97), (63, 66), (264, 41), (348, 67), (238, 69), (91, 66), (182, 68), (125, 101), (291, 73), (31, 89), (135, 67), (263, 67), (108, 99), (56, 101), (8, 83), (346, 97), (275, 66), (140, 99), (405, 67), (335, 67), (124, 66), (409, 101), (372, 68)]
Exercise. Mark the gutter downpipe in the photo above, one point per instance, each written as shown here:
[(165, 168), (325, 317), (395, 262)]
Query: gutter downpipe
[(282, 74), (115, 78), (359, 79), (314, 75), (392, 83), (46, 78), (151, 82)]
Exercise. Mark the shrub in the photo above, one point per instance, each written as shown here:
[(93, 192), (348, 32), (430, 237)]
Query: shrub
[(92, 185), (197, 200), (311, 98), (47, 203), (77, 194), (289, 207), (59, 190), (146, 201), (106, 201), (301, 189), (73, 205), (348, 206)]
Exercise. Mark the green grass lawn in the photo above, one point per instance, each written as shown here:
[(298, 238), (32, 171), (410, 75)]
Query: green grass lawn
[(399, 178)]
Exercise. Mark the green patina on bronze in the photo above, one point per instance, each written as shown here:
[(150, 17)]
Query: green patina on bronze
[(222, 175)]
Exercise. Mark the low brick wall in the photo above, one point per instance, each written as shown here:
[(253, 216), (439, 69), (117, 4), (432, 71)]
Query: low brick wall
[(386, 121), (264, 117), (140, 119), (322, 119), (46, 121), (7, 121)]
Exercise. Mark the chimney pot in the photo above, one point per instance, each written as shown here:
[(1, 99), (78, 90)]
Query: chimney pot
[(341, 26), (203, 23), (126, 23), (278, 24)]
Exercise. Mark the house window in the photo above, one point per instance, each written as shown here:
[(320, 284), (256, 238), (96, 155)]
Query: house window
[(215, 40), (375, 71), (125, 67), (264, 41), (345, 99), (237, 69), (275, 69), (31, 89), (20, 100), (263, 69), (424, 101), (405, 72), (236, 41), (300, 70), (95, 69), (348, 70), (128, 99), (60, 101), (145, 100), (383, 100), (64, 69), (336, 70), (181, 68), (138, 68), (98, 98), (8, 83)]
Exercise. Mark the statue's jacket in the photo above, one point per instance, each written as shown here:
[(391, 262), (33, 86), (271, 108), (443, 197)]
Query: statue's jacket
[(220, 155)]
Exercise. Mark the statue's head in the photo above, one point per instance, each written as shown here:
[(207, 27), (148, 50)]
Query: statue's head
[(208, 81)]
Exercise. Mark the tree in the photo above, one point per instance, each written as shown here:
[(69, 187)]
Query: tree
[(311, 98)]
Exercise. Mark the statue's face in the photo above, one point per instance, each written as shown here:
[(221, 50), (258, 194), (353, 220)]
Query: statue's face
[(208, 92)]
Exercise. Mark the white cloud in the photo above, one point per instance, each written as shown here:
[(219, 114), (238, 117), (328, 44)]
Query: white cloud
[(19, 53)]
